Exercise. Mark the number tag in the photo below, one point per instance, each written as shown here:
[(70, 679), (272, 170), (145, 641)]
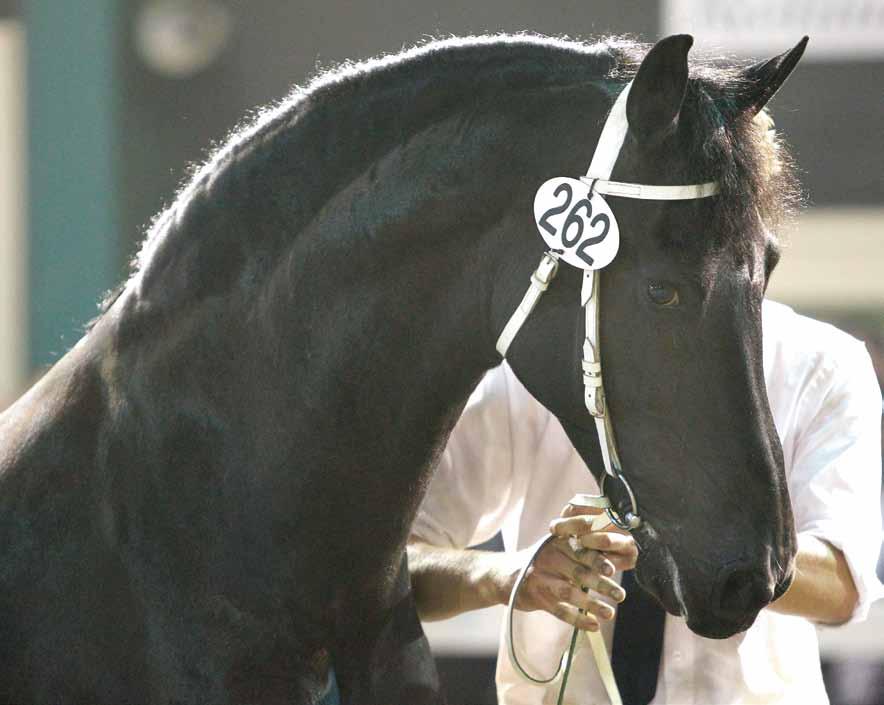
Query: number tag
[(582, 228)]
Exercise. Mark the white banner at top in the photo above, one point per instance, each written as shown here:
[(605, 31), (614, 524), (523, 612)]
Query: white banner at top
[(839, 30)]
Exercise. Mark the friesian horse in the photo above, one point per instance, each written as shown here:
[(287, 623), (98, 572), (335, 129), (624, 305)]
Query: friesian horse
[(207, 499)]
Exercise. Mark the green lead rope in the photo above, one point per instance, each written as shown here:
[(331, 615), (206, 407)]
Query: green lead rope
[(571, 648)]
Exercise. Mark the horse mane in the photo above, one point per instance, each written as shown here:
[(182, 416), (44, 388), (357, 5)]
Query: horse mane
[(499, 52), (746, 156)]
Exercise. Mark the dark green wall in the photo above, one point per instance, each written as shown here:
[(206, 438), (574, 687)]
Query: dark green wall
[(72, 109)]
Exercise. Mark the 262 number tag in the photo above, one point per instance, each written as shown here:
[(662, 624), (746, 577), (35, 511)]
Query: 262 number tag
[(580, 227)]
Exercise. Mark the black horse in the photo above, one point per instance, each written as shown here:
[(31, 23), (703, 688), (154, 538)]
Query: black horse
[(207, 499)]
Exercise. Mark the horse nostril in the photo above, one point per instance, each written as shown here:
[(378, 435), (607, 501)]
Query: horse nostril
[(744, 590)]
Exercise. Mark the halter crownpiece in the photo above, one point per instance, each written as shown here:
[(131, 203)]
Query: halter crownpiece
[(597, 179)]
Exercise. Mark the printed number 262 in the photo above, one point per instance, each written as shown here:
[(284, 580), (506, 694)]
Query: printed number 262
[(572, 228)]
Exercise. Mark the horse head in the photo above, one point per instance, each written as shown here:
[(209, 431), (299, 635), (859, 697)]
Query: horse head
[(680, 332)]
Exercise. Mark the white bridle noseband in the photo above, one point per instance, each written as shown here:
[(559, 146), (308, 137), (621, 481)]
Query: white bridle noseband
[(598, 179)]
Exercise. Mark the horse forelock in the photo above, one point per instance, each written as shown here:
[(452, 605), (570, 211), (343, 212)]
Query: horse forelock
[(760, 192)]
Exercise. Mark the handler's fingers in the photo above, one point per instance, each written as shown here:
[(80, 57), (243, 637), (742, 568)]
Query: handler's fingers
[(570, 510), (559, 559), (571, 615), (590, 569), (620, 549), (548, 596), (560, 591), (559, 563), (584, 523), (596, 561), (584, 577), (574, 526)]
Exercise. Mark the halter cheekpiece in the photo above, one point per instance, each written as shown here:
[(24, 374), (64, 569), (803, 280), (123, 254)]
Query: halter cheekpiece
[(597, 178)]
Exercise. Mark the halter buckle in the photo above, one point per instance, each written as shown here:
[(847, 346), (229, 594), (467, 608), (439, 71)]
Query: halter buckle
[(547, 269), (594, 400)]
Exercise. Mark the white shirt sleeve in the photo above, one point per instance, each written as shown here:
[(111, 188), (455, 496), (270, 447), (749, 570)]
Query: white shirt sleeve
[(835, 477), (470, 494)]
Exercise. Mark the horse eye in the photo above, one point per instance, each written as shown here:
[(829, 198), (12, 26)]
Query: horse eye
[(663, 294)]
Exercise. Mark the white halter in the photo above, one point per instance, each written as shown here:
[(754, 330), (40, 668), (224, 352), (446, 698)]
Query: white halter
[(598, 178)]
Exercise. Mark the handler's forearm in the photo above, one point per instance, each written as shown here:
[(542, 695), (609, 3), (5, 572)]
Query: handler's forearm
[(823, 589), (448, 581)]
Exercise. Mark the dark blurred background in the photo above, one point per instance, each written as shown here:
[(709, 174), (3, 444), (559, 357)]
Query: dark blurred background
[(105, 104)]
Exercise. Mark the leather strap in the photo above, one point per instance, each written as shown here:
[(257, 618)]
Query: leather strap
[(540, 279), (648, 192), (603, 664), (610, 142), (594, 399)]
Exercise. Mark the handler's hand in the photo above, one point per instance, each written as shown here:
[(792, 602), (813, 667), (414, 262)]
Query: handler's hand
[(575, 570), (616, 545)]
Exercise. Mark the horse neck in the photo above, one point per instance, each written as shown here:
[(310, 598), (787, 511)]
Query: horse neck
[(385, 320), (352, 346), (377, 324)]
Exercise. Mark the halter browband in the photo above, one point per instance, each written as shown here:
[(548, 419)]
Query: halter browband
[(651, 193), (598, 179)]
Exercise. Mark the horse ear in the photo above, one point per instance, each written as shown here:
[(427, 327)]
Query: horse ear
[(764, 79), (658, 89)]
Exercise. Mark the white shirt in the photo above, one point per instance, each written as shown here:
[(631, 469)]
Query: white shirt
[(509, 466)]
